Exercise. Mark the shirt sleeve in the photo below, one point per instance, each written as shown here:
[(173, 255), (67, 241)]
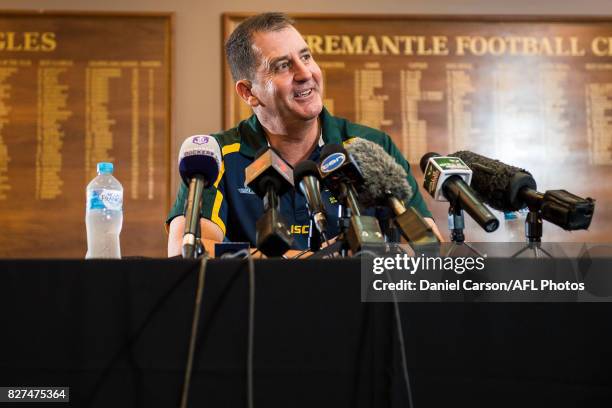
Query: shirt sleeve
[(214, 205), (417, 201)]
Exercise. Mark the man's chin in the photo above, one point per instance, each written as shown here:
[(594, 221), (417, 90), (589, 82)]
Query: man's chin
[(310, 112)]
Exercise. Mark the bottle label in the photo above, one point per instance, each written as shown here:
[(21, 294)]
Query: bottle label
[(105, 199)]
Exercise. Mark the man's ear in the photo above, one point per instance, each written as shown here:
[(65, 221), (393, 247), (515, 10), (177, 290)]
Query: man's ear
[(243, 89)]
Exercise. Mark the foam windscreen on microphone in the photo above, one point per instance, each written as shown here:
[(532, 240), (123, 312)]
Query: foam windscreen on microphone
[(381, 173), (498, 183), (200, 155), (303, 169)]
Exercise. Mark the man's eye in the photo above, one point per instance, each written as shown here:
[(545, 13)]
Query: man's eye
[(282, 66), (306, 57)]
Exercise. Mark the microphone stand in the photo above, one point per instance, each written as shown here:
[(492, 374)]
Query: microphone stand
[(315, 240), (200, 249), (341, 246), (344, 223), (533, 233), (273, 237), (314, 237), (361, 230), (192, 246), (356, 230), (456, 224)]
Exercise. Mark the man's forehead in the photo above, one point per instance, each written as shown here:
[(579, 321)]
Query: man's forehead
[(272, 44)]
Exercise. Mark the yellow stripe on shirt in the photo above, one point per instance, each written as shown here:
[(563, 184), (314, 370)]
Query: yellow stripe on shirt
[(232, 148), (348, 141), (215, 212)]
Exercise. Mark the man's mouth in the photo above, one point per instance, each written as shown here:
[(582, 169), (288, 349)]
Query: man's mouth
[(302, 94)]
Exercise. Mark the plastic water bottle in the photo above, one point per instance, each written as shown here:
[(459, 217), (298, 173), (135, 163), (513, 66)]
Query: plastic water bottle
[(104, 214), (514, 225)]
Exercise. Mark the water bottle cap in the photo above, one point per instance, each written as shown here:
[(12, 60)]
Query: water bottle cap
[(510, 216), (105, 168)]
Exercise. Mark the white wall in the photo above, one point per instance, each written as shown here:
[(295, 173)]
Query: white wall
[(197, 41)]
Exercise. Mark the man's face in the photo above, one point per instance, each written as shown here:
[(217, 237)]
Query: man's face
[(287, 81)]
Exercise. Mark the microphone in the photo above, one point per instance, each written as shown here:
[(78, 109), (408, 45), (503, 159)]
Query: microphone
[(199, 162), (448, 179), (498, 183), (386, 185), (508, 188), (306, 175), (341, 174), (269, 176)]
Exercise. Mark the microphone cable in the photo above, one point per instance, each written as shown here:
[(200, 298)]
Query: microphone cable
[(400, 337), (245, 253), (194, 330), (251, 327), (251, 331), (400, 330)]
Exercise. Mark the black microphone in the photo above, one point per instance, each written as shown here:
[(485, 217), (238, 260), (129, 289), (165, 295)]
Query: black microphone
[(269, 176), (386, 185), (444, 181), (498, 183), (306, 175), (341, 175), (199, 162), (508, 188)]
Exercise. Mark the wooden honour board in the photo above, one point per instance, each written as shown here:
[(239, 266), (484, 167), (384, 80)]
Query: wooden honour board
[(77, 89), (534, 92)]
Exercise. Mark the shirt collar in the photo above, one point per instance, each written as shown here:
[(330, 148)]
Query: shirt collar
[(253, 136), (320, 144)]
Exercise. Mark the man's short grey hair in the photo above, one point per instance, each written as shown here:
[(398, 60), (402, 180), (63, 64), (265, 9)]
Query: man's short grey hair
[(239, 51)]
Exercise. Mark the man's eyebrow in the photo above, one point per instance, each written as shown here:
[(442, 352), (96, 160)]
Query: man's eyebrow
[(271, 63), (274, 61)]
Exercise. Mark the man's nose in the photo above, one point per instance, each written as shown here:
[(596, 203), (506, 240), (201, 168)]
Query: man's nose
[(301, 71)]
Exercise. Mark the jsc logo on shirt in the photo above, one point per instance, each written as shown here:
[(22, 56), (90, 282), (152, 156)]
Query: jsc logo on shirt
[(300, 229)]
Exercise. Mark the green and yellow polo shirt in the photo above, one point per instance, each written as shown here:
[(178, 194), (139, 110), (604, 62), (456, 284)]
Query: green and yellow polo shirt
[(235, 208)]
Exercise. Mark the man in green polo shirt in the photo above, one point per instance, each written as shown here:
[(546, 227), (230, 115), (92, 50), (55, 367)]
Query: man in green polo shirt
[(275, 73)]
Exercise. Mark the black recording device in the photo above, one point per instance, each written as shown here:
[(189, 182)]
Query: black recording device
[(269, 176)]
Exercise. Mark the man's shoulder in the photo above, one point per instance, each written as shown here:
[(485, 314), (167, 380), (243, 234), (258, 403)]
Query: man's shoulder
[(227, 138), (351, 130)]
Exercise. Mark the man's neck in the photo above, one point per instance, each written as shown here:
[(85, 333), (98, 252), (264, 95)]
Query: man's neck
[(295, 143)]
